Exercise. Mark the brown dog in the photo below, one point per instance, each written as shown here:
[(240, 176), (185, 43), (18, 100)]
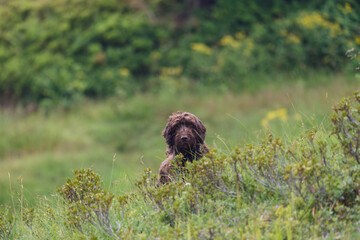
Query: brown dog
[(185, 135)]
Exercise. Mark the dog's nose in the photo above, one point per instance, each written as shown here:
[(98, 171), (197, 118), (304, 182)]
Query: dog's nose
[(184, 138)]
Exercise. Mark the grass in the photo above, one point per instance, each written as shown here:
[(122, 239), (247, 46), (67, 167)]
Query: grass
[(301, 188), (118, 138), (43, 148)]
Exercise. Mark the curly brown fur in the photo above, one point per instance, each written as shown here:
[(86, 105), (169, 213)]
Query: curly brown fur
[(185, 135)]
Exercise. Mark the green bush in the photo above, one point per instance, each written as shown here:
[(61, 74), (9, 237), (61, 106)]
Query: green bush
[(57, 51), (297, 42), (88, 202), (315, 176)]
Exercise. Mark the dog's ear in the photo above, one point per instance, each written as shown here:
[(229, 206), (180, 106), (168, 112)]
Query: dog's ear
[(167, 135), (200, 130), (168, 132)]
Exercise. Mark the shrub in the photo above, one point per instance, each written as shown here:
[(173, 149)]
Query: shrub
[(192, 189), (317, 172), (346, 125), (88, 202), (55, 52)]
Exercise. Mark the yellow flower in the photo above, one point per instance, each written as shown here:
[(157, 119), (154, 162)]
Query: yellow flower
[(280, 113), (357, 40), (228, 40), (348, 8), (316, 20), (240, 35), (171, 71), (200, 47), (292, 38), (124, 72)]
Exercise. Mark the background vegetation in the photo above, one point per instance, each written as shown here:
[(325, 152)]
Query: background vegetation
[(57, 51), (90, 84)]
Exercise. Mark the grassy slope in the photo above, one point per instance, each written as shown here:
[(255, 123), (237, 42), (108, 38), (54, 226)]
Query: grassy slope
[(43, 149)]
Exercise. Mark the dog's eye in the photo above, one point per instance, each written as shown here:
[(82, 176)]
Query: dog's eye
[(176, 127)]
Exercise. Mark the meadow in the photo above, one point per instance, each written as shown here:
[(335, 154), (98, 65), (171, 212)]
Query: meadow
[(86, 88), (118, 137)]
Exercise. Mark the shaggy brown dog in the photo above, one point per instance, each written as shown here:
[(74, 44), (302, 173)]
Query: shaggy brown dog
[(184, 134)]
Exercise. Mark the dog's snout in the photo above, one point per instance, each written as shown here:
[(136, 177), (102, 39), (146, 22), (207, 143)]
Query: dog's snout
[(184, 138)]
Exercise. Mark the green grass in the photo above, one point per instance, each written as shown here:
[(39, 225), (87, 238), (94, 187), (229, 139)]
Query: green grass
[(294, 187), (43, 148), (118, 138)]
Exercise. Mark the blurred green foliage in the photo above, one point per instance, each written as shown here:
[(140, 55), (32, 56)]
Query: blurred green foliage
[(58, 51)]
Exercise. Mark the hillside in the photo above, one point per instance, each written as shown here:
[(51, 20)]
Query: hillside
[(303, 187)]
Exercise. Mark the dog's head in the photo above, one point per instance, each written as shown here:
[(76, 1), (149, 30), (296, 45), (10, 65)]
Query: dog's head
[(184, 132)]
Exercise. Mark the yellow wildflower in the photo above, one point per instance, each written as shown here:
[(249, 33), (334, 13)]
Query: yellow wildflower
[(240, 35), (280, 113), (124, 72), (348, 8), (228, 40), (200, 47), (292, 38), (171, 71), (289, 37), (357, 40), (315, 20)]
